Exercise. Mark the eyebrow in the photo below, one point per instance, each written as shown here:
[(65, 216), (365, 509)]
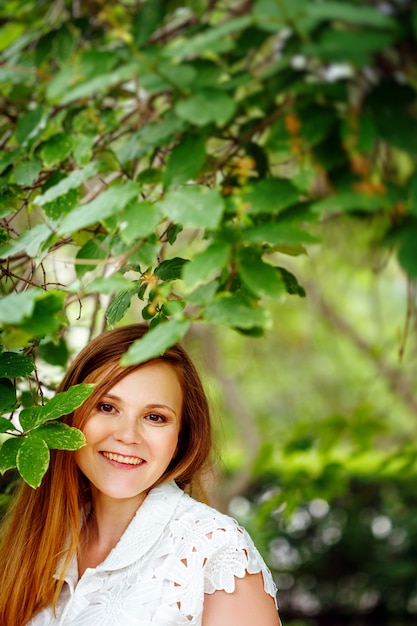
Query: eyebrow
[(161, 406), (155, 405)]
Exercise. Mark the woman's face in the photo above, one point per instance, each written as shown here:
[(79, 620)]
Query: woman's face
[(132, 433)]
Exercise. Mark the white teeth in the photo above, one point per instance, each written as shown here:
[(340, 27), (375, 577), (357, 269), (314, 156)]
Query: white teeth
[(128, 460)]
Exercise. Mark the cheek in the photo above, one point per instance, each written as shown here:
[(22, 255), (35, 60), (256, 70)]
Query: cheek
[(174, 446), (81, 457), (93, 429), (165, 446)]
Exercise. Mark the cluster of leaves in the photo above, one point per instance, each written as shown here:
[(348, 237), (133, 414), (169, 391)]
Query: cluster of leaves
[(27, 443), (172, 153)]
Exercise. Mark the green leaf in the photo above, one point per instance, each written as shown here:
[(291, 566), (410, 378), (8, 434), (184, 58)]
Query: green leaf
[(13, 365), (32, 460), (30, 417), (7, 396), (15, 307), (193, 205), (71, 181), (407, 253), (8, 453), (153, 135), (67, 401), (171, 269), (9, 199), (206, 106), (62, 205), (149, 176), (95, 62), (120, 304), (394, 127), (30, 125), (316, 122), (350, 201), (278, 234), (58, 92), (94, 250), (61, 404), (362, 132), (54, 352), (260, 278), (139, 220), (173, 308), (108, 203), (64, 43), (203, 295), (149, 16), (47, 314), (292, 285), (172, 232), (231, 310), (10, 158), (413, 194), (5, 424), (348, 45), (185, 161), (353, 13), (31, 241), (214, 39), (83, 149), (27, 172), (183, 77), (9, 32), (56, 149), (155, 342), (207, 73), (273, 16), (270, 195), (60, 436), (204, 266), (100, 84)]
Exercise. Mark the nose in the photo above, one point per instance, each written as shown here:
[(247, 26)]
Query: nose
[(128, 430)]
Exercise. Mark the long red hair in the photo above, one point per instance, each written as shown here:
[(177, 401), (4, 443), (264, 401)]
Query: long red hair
[(42, 528)]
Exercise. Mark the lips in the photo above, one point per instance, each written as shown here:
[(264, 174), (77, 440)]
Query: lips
[(120, 458)]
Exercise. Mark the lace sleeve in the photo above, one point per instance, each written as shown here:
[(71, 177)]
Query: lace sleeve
[(234, 556)]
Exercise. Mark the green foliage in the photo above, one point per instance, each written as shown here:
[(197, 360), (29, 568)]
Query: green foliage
[(155, 342), (166, 163), (26, 444)]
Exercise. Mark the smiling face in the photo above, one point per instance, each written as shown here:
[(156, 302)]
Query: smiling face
[(132, 433)]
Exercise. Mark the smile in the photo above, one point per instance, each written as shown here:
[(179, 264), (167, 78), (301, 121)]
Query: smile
[(127, 460)]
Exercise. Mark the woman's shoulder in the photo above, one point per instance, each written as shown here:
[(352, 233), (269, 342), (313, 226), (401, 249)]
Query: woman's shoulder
[(200, 526), (206, 547), (187, 511), (225, 548), (205, 516), (206, 528)]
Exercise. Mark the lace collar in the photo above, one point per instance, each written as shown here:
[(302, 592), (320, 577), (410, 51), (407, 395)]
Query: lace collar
[(141, 535), (145, 528)]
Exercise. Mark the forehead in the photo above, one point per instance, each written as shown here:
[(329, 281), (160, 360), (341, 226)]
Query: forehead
[(151, 375), (156, 381)]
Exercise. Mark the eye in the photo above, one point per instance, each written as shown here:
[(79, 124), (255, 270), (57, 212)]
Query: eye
[(155, 418), (105, 407)]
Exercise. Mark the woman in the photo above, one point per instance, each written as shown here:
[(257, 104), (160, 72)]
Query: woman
[(110, 537)]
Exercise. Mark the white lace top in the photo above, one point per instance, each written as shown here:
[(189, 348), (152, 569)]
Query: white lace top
[(173, 552)]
